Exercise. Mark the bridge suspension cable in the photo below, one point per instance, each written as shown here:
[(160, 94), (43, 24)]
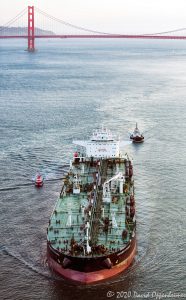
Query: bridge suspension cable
[(69, 24), (165, 32), (13, 20), (101, 32)]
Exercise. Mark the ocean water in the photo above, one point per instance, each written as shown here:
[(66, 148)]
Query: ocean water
[(60, 93)]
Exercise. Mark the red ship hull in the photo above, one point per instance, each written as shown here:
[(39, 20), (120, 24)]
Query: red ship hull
[(93, 277), (137, 139), (39, 181), (38, 184)]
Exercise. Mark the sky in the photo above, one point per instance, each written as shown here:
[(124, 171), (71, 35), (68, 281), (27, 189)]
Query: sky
[(115, 16)]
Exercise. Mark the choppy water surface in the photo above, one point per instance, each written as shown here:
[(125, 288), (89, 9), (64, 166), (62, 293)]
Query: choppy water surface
[(61, 92)]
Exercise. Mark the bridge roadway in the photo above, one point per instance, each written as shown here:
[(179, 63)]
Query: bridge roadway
[(97, 36)]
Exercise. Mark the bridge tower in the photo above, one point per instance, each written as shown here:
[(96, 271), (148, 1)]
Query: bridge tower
[(31, 33)]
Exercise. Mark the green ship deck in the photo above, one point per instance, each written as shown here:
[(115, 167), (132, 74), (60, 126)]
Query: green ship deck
[(93, 213)]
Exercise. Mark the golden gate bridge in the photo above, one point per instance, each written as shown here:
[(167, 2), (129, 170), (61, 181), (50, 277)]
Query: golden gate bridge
[(16, 29)]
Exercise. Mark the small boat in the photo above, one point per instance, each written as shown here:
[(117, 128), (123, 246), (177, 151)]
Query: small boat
[(38, 180), (136, 136)]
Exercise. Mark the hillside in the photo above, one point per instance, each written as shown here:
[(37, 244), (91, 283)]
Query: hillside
[(23, 31)]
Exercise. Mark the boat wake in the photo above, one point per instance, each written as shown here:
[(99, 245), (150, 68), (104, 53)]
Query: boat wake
[(41, 269), (47, 179)]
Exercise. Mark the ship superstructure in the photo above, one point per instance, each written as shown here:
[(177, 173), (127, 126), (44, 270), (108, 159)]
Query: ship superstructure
[(91, 232)]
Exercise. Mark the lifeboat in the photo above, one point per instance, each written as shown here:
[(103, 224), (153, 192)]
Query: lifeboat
[(136, 136), (39, 181)]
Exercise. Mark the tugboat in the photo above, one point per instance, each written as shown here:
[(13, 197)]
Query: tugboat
[(136, 136), (39, 180), (91, 235)]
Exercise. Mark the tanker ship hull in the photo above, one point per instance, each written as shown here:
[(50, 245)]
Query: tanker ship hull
[(91, 271), (91, 234)]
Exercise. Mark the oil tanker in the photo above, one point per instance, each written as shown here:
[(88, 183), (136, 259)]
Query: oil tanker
[(91, 235)]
